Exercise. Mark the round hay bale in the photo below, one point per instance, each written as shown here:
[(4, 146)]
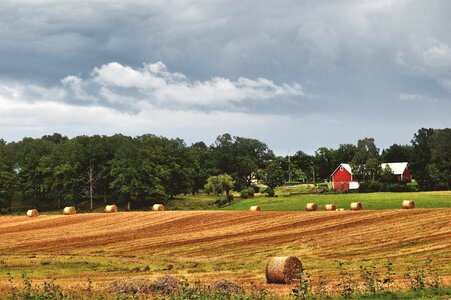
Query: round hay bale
[(331, 207), (283, 269), (32, 213), (311, 207), (158, 207), (356, 206), (111, 209), (255, 208), (408, 204), (69, 210)]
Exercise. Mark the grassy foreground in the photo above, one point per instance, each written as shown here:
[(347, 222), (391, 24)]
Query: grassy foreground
[(371, 201), (289, 200)]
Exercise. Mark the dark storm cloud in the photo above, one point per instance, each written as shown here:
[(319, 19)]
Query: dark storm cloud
[(356, 68)]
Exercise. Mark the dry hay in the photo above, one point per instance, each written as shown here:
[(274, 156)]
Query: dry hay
[(132, 286), (32, 213), (158, 207), (166, 285), (331, 207), (283, 269), (356, 206), (255, 208), (226, 286), (311, 207), (408, 204), (111, 209), (69, 210)]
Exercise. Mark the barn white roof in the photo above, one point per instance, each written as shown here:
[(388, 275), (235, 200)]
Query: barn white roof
[(346, 166), (397, 168)]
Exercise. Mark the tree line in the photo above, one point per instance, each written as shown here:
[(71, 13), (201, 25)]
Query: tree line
[(53, 171)]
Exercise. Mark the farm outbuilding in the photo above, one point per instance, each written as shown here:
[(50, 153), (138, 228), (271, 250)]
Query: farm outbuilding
[(400, 170), (342, 177)]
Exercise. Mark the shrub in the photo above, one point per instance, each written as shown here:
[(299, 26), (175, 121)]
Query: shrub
[(247, 193), (397, 187), (371, 186), (270, 192), (263, 188), (323, 186), (256, 188), (230, 198), (412, 186), (244, 194)]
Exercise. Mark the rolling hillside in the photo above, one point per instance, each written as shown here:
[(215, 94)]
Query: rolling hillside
[(217, 244)]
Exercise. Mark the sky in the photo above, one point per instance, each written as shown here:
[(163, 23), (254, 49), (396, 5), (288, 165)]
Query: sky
[(297, 75)]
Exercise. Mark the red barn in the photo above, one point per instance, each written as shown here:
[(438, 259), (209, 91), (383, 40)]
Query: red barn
[(400, 170), (342, 178)]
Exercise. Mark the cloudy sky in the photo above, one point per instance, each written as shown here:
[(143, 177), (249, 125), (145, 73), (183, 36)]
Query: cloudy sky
[(295, 74)]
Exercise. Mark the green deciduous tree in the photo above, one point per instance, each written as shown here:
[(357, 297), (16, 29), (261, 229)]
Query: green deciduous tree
[(241, 158), (274, 175), (397, 153), (366, 152), (219, 184)]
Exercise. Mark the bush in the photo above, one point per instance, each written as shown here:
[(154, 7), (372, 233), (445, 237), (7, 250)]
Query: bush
[(397, 187), (323, 186), (263, 188), (244, 194), (412, 186), (371, 186), (223, 201), (256, 188), (247, 193), (270, 192), (230, 198)]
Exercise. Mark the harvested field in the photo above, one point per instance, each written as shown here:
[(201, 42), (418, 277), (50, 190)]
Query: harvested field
[(217, 244)]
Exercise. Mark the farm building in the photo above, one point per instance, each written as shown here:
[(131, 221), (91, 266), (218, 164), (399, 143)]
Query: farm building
[(342, 176), (400, 170)]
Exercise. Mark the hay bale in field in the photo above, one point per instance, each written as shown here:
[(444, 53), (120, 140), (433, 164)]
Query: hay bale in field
[(111, 209), (166, 285), (283, 269), (340, 209), (129, 286), (356, 206), (331, 207), (255, 208), (408, 204), (69, 210), (32, 213), (158, 207), (224, 286), (311, 207)]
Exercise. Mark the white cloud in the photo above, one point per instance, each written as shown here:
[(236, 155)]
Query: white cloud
[(416, 98), (114, 84), (438, 54)]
